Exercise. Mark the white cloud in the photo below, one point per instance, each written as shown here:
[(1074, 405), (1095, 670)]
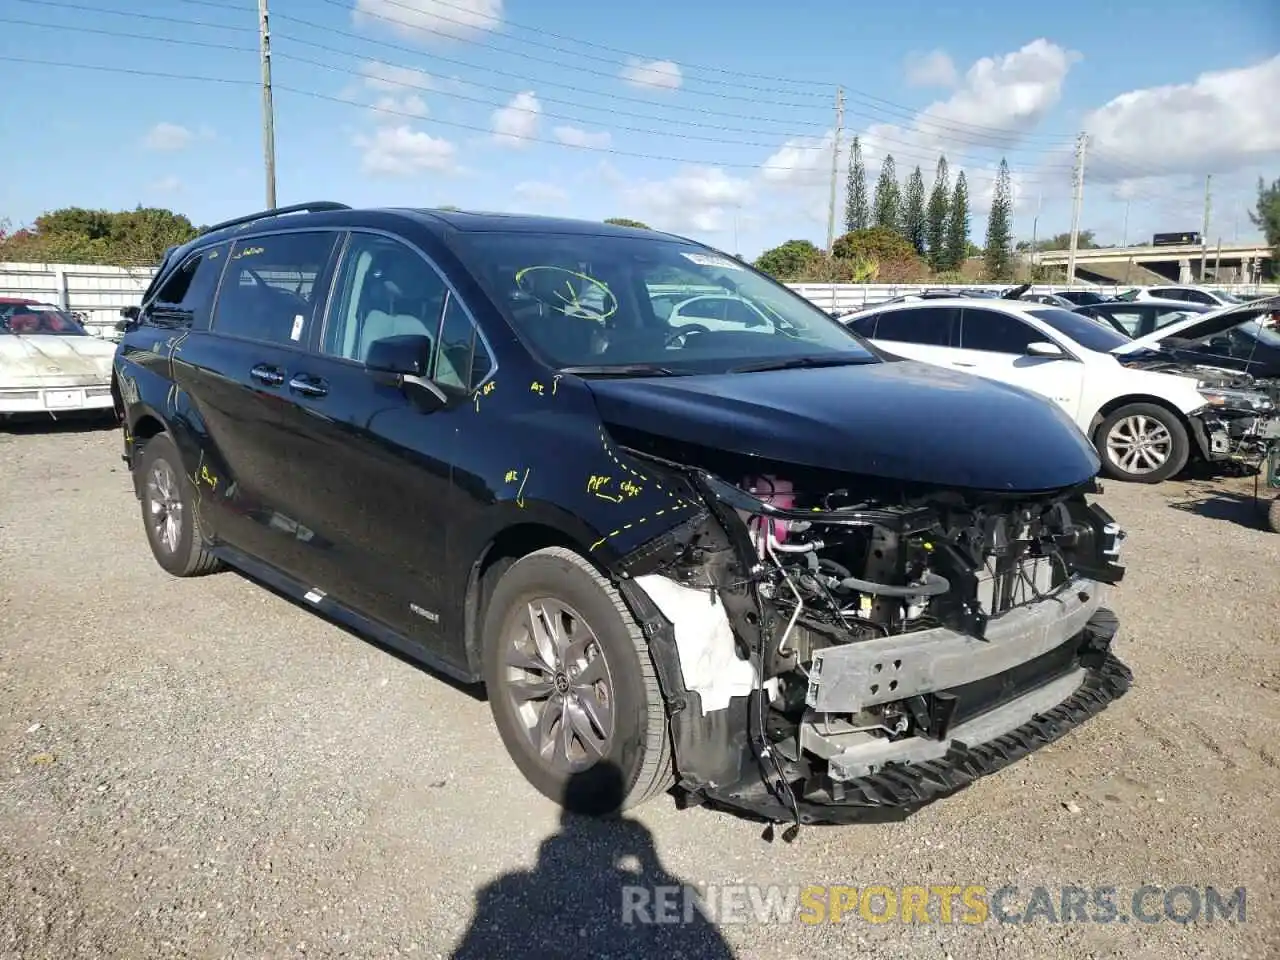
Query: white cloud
[(517, 122), (577, 137), (702, 199), (396, 90), (401, 151), (428, 19), (804, 161), (168, 136), (1003, 96), (933, 69), (653, 74), (1219, 123)]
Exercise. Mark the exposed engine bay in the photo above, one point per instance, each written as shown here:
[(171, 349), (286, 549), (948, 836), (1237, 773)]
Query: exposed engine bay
[(1237, 420), (884, 634)]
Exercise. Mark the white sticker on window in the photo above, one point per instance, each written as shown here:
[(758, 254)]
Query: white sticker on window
[(709, 260), (37, 307), (297, 327)]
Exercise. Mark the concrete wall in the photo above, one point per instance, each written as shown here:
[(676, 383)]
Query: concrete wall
[(99, 292)]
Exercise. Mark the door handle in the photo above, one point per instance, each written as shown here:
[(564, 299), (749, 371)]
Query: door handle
[(308, 385), (264, 373), (961, 363)]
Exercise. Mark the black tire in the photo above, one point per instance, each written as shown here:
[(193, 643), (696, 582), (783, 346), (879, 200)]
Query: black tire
[(636, 765), (1179, 449), (189, 556)]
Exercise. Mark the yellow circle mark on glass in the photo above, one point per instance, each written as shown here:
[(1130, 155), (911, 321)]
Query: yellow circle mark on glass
[(570, 298)]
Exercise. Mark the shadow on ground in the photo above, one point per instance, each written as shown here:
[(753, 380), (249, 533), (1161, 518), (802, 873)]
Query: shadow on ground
[(66, 423), (594, 887), (1238, 506)]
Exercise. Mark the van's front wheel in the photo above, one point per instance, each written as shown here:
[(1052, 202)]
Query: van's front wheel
[(572, 687)]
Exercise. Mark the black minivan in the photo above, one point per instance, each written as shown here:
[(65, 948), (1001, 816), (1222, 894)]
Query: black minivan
[(689, 531)]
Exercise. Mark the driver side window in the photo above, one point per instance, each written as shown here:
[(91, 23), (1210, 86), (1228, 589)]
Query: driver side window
[(384, 289), (269, 289)]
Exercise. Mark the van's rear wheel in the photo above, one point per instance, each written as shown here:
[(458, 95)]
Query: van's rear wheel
[(169, 511), (572, 687)]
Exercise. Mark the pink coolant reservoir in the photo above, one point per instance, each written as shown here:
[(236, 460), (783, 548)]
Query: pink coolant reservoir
[(779, 493)]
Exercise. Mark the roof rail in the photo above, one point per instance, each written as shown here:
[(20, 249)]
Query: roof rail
[(314, 206)]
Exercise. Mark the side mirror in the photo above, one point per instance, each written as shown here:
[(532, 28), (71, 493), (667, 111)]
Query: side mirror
[(404, 359), (407, 355), (1044, 349), (131, 313)]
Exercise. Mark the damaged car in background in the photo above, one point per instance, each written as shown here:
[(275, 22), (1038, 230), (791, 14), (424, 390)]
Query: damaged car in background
[(1146, 421), (766, 566)]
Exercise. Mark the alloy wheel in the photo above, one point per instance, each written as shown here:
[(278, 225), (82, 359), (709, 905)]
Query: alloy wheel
[(164, 505), (1139, 444), (558, 683)]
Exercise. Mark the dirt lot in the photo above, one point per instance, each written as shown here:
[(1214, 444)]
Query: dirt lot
[(200, 768)]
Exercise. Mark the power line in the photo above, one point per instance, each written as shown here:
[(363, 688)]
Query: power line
[(279, 88), (771, 145), (998, 140)]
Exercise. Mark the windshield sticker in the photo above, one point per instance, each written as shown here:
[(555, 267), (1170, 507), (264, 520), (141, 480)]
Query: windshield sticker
[(297, 327), (708, 260), (569, 292), (36, 307)]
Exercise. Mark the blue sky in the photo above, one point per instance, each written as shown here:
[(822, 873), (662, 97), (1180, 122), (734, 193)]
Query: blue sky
[(706, 118)]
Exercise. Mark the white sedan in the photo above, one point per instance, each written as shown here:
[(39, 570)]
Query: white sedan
[(49, 364), (1143, 422)]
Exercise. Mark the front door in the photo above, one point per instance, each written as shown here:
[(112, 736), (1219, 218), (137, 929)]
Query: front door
[(994, 344), (381, 461)]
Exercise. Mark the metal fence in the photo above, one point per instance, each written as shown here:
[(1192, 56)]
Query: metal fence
[(98, 292)]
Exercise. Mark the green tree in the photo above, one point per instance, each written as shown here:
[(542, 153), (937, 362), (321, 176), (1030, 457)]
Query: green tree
[(913, 212), (625, 222), (998, 253), (874, 243), (936, 215), (790, 260), (957, 240), (856, 216), (887, 206), (78, 235), (1266, 217)]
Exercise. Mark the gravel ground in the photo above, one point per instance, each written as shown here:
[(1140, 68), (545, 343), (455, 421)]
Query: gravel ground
[(201, 768)]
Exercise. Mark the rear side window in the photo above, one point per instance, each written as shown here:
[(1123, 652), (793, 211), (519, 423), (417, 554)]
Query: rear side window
[(864, 326), (273, 286), (995, 332), (927, 326), (186, 295)]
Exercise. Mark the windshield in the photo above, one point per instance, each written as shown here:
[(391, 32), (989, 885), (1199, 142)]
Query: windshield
[(1087, 332), (39, 318), (624, 303)]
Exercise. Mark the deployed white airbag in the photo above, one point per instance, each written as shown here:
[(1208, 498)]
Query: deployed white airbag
[(709, 661)]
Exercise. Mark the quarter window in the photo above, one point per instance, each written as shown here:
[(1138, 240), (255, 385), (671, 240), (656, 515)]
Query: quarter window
[(927, 326), (1130, 321), (994, 332), (461, 360), (273, 286)]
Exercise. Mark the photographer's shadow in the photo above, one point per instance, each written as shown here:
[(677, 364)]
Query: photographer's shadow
[(595, 892)]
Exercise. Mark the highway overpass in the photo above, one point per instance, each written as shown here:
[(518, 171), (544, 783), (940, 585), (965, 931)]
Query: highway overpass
[(1228, 263)]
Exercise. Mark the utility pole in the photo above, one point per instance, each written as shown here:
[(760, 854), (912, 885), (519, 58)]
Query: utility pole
[(1124, 242), (1035, 223), (835, 169), (1217, 261), (1204, 233), (268, 110), (1078, 200)]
